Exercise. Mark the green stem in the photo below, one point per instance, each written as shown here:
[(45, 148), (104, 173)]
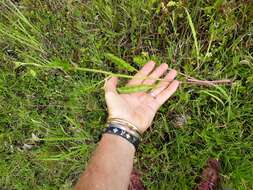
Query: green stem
[(83, 69)]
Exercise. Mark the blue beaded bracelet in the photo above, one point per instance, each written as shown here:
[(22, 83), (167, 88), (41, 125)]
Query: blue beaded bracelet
[(113, 129)]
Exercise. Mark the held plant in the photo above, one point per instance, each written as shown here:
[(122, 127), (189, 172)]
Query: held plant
[(56, 55)]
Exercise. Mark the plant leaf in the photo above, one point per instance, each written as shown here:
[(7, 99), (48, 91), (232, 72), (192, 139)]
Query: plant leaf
[(120, 62), (135, 88), (208, 92), (194, 34), (140, 60), (61, 64)]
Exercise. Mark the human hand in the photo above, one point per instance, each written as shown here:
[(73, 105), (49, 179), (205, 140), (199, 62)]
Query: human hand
[(140, 108)]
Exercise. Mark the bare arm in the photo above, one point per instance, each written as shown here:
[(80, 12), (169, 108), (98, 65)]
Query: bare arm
[(111, 165), (112, 162)]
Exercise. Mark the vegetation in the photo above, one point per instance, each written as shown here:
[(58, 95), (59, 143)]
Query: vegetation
[(55, 56)]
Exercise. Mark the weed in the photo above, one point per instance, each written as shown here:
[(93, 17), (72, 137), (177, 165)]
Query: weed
[(52, 69)]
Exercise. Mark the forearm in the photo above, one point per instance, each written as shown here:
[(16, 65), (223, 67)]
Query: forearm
[(110, 166)]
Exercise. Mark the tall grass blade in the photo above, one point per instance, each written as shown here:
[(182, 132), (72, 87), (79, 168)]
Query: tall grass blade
[(209, 92), (194, 34), (19, 14), (119, 62)]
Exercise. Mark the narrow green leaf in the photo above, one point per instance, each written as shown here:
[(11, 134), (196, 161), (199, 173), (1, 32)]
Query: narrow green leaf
[(194, 34), (134, 88), (212, 95), (33, 73), (64, 65), (140, 60), (119, 62)]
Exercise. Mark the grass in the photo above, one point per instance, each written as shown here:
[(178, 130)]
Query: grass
[(52, 109)]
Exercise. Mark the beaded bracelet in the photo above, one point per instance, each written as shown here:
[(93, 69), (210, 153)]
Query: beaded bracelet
[(134, 133), (117, 130), (125, 123)]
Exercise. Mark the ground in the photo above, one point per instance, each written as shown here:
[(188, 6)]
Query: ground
[(52, 108)]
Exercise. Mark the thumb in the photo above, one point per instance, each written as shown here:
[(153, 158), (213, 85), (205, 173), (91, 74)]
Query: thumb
[(111, 84)]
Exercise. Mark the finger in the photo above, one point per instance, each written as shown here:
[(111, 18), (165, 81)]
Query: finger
[(111, 84), (165, 94), (138, 77), (164, 83), (159, 71)]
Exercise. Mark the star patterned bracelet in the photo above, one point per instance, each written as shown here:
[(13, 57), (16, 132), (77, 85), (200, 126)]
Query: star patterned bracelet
[(116, 130)]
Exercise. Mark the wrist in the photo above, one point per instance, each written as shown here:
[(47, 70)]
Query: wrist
[(117, 142), (128, 124), (122, 131)]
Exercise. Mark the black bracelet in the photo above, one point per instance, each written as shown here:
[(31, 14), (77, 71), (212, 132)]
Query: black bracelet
[(113, 129)]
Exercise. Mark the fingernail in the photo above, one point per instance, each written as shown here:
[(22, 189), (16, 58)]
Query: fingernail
[(165, 65), (151, 62)]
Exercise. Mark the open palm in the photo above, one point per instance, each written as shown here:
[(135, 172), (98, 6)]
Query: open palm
[(140, 108)]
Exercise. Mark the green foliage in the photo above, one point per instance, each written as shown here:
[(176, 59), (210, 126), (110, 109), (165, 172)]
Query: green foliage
[(53, 65), (135, 88), (57, 63), (193, 32), (120, 62)]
